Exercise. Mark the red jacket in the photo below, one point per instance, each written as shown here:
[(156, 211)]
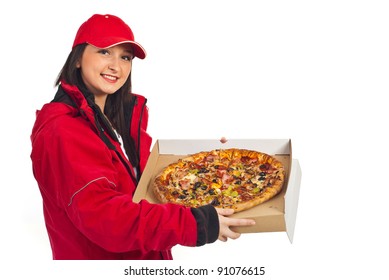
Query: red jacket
[(87, 189)]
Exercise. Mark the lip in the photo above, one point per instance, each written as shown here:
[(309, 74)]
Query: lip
[(109, 78)]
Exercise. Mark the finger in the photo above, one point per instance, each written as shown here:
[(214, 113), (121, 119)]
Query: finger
[(228, 233), (225, 212), (222, 238), (223, 140), (240, 222)]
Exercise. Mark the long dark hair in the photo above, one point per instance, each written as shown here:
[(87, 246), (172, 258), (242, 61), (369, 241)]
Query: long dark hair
[(115, 105)]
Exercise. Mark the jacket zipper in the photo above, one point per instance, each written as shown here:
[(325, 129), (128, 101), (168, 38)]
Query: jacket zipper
[(111, 146), (135, 177), (128, 167)]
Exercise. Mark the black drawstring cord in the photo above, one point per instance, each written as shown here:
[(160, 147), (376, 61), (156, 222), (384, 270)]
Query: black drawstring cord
[(100, 117)]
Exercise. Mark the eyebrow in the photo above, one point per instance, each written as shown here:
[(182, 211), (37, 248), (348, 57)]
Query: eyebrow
[(129, 51)]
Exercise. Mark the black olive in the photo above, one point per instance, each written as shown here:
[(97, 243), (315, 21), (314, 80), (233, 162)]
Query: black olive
[(261, 178), (182, 196), (204, 187), (197, 185), (211, 191), (262, 174), (264, 166)]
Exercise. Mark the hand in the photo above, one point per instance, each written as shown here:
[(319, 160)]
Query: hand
[(225, 222)]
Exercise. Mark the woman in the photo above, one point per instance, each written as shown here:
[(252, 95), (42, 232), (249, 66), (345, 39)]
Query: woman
[(89, 148)]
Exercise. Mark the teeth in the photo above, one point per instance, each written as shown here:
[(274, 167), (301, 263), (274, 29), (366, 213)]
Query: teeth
[(109, 77)]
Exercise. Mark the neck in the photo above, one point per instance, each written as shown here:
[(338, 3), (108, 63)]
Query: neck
[(100, 101)]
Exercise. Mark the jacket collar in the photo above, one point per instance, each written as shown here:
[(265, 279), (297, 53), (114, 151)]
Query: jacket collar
[(77, 97), (87, 109), (85, 106)]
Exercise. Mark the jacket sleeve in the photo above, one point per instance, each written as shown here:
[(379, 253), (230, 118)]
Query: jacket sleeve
[(111, 220), (207, 224)]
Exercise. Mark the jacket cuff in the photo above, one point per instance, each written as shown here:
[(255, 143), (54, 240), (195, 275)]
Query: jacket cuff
[(207, 224)]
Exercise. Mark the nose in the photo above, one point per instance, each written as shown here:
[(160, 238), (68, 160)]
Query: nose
[(113, 63)]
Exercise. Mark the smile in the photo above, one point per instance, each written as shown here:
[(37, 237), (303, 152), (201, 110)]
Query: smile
[(111, 78)]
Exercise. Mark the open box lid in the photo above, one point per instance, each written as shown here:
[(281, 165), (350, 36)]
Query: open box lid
[(191, 146), (291, 198)]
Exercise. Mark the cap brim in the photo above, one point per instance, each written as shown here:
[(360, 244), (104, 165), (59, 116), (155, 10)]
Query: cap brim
[(138, 50)]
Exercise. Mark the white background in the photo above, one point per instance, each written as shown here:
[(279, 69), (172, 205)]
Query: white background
[(313, 71)]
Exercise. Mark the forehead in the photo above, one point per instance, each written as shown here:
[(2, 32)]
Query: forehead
[(125, 47)]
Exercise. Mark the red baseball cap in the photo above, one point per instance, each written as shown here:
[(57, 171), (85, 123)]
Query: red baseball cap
[(104, 31)]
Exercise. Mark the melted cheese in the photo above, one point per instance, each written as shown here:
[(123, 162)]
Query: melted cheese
[(191, 177)]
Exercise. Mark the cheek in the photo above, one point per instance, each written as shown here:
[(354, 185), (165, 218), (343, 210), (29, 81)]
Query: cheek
[(89, 75), (127, 70)]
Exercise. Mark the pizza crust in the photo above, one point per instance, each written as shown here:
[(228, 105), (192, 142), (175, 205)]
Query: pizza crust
[(267, 195)]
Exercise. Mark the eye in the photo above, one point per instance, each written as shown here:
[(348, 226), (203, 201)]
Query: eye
[(104, 51), (128, 57)]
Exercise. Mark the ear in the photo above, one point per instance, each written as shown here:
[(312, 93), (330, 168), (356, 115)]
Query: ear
[(78, 64)]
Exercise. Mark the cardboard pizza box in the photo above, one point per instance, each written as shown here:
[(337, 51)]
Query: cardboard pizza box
[(276, 215)]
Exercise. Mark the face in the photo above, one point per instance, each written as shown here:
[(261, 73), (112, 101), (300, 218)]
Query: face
[(104, 71)]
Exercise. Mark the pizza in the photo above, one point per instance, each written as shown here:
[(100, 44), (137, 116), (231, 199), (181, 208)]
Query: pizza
[(226, 178)]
